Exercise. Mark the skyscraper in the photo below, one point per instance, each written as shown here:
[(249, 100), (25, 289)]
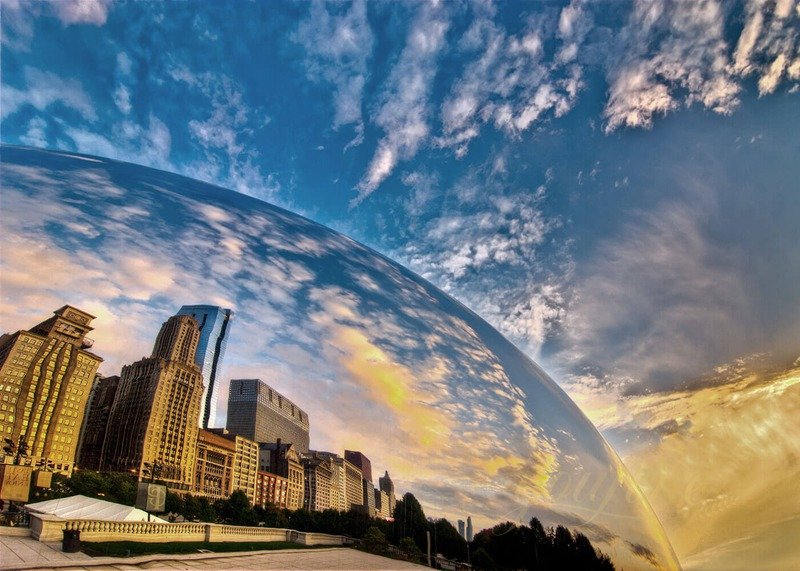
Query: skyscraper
[(386, 485), (362, 462), (461, 529), (469, 528), (96, 422), (47, 374), (260, 413), (214, 323), (154, 417)]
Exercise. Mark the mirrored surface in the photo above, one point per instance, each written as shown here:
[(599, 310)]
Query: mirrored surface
[(382, 361)]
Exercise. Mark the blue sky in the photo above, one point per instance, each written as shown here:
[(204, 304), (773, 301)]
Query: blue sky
[(613, 185)]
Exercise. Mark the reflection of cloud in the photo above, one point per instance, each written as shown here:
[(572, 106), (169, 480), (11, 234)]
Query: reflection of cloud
[(738, 469), (641, 551)]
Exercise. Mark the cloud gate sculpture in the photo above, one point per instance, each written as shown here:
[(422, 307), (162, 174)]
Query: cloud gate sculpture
[(381, 360)]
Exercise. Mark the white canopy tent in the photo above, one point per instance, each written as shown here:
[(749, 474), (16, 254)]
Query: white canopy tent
[(81, 507)]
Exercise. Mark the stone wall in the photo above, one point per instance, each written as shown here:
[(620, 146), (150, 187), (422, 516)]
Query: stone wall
[(50, 528)]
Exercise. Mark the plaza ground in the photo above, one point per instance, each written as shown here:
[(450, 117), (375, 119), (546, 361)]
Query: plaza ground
[(19, 553)]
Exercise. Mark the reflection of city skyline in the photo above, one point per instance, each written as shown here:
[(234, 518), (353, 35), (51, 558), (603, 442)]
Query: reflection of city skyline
[(403, 366)]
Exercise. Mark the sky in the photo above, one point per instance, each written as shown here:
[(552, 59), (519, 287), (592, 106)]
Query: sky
[(612, 185)]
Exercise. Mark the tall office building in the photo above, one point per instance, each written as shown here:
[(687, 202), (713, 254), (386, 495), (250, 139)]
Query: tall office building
[(214, 323), (469, 528), (260, 413), (368, 497), (154, 417), (461, 529), (362, 462), (96, 421), (386, 485), (46, 374)]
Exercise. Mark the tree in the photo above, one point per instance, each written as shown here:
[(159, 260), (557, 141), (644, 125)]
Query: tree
[(236, 510), (410, 521), (410, 549), (482, 561), (374, 541), (448, 541)]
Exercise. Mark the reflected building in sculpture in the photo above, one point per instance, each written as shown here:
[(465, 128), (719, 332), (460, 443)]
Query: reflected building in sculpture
[(260, 413), (214, 323), (46, 374), (154, 416)]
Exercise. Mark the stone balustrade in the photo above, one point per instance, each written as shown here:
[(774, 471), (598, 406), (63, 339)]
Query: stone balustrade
[(50, 528)]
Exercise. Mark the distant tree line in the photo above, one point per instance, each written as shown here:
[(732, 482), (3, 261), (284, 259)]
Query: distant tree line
[(511, 546), (506, 546)]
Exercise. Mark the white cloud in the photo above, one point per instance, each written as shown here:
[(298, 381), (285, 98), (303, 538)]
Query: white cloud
[(227, 129), (43, 89), (36, 135), (510, 84), (82, 11), (338, 46), (404, 109), (122, 99), (667, 49), (150, 145)]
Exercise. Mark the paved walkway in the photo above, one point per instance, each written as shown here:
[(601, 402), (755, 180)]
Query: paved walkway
[(25, 553)]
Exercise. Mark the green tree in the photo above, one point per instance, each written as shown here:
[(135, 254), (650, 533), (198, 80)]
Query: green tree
[(236, 510), (410, 521), (374, 541), (448, 541), (410, 549)]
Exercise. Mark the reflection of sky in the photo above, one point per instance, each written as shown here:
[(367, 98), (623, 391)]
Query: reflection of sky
[(382, 361)]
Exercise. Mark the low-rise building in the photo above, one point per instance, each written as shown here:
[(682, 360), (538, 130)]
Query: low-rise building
[(213, 476), (245, 463), (317, 488), (272, 489), (283, 459)]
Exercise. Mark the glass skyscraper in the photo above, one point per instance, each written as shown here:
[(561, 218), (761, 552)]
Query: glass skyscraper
[(214, 323)]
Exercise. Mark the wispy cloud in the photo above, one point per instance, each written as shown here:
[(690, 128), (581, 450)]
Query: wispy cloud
[(42, 89), (224, 136), (338, 45), (82, 11), (665, 50), (404, 107), (511, 84)]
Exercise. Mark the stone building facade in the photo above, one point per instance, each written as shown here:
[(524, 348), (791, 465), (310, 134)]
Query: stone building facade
[(245, 464), (46, 374), (283, 459), (272, 489), (154, 419), (214, 468), (95, 422)]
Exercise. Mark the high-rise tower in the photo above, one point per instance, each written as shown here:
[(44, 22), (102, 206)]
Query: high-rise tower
[(386, 485), (260, 413), (47, 373), (214, 323), (153, 421)]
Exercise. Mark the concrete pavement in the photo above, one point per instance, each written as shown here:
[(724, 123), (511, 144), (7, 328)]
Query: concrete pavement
[(24, 553)]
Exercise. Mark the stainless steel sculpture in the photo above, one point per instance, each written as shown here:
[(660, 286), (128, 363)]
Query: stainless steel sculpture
[(383, 361)]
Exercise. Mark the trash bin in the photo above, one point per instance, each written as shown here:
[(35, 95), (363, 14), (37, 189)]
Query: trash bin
[(72, 541)]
